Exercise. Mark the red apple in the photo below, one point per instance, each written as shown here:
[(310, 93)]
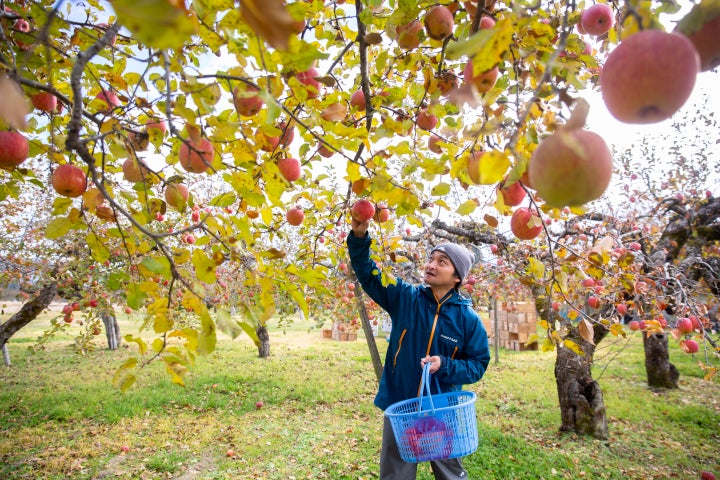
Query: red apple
[(288, 133), (634, 325), (176, 195), (295, 216), (684, 325), (486, 23), (524, 224), (571, 168), (512, 194), (439, 22), (14, 149), (705, 475), (362, 210), (196, 156), (432, 144), (426, 120), (357, 100), (555, 306), (289, 168), (597, 19), (342, 266), (484, 81), (382, 213), (45, 101), (230, 453), (409, 35), (324, 151), (334, 112), (69, 180), (134, 170), (641, 85), (594, 302), (689, 346), (309, 79), (621, 308), (246, 101), (110, 99), (259, 404), (702, 27), (494, 249)]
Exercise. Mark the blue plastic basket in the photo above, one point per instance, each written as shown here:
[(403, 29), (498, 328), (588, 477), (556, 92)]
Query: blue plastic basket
[(434, 427)]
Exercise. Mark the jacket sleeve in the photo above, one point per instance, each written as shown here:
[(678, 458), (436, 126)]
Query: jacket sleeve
[(472, 362), (368, 274)]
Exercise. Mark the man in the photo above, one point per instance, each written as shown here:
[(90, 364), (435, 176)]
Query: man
[(431, 324)]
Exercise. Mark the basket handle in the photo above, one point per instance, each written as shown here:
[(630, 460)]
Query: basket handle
[(425, 387)]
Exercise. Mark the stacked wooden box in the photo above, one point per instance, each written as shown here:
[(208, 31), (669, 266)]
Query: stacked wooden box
[(517, 322)]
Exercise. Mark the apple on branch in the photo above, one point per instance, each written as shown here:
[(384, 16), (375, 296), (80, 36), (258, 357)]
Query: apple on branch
[(572, 166), (69, 180), (196, 152), (524, 224), (295, 216), (289, 168), (439, 22), (177, 195), (649, 76), (14, 149), (409, 35)]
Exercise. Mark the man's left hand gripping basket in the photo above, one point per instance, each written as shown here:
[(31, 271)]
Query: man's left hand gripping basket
[(434, 427)]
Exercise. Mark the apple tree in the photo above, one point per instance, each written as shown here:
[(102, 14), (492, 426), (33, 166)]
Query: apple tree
[(175, 141)]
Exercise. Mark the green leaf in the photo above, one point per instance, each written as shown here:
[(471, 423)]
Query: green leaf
[(466, 208), (134, 296), (156, 23), (142, 346), (159, 265), (57, 227), (441, 189), (223, 200)]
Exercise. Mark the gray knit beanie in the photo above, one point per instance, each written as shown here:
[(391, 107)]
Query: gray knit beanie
[(461, 258)]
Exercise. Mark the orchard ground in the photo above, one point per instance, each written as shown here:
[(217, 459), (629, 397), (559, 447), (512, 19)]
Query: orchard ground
[(306, 412)]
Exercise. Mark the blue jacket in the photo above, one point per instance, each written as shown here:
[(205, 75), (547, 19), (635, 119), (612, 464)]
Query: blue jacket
[(421, 326)]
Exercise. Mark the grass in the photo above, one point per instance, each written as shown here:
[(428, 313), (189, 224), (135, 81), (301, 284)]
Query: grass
[(60, 416)]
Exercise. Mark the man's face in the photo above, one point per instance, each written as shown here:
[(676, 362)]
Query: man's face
[(439, 271)]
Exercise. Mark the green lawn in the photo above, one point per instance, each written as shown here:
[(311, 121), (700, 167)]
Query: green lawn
[(60, 416)]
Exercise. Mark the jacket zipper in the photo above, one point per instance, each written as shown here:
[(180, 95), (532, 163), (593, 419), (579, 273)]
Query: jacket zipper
[(432, 331), (402, 335)]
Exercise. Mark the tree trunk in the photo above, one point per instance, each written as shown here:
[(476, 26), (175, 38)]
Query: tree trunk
[(367, 329), (660, 372), (28, 312), (112, 329), (582, 409), (6, 355), (264, 337)]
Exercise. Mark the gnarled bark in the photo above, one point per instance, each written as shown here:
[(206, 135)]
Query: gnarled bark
[(264, 337), (27, 313), (582, 409), (660, 372)]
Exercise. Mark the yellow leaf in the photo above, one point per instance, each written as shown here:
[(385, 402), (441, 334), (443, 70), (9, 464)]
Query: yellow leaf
[(208, 335), (142, 346), (157, 23), (547, 345), (536, 268), (570, 345), (57, 227), (177, 372), (270, 20), (204, 267)]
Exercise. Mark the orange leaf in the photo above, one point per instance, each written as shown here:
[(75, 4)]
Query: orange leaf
[(586, 331), (269, 19)]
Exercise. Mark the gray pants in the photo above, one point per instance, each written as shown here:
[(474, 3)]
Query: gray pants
[(392, 466)]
